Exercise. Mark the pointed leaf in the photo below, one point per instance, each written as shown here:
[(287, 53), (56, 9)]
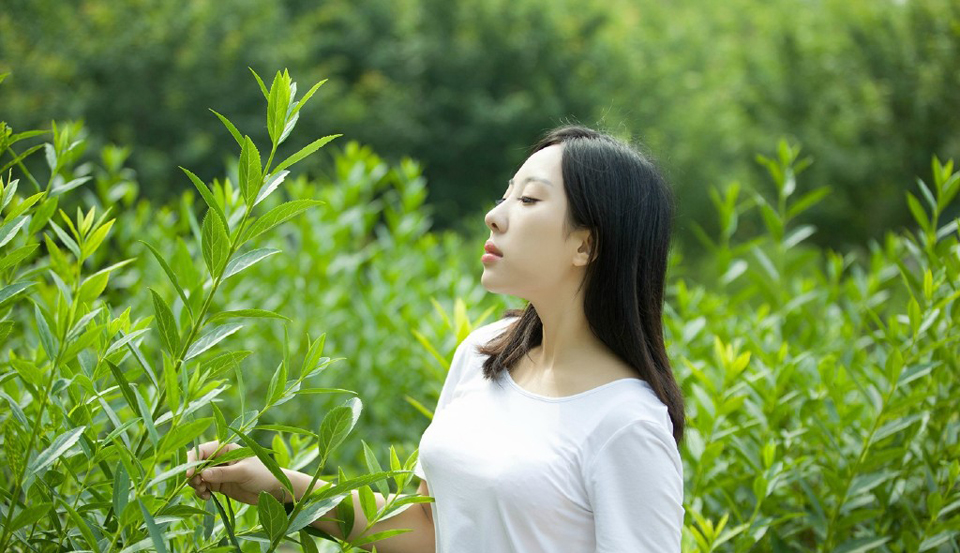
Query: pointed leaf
[(250, 171), (166, 324), (271, 185), (153, 529), (170, 275), (248, 259), (207, 197), (266, 459), (272, 515), (215, 244), (60, 446), (305, 151), (8, 292), (337, 424), (230, 127), (276, 216), (9, 230), (211, 339), (49, 342)]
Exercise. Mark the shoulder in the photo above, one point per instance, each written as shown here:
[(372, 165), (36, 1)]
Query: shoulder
[(644, 444)]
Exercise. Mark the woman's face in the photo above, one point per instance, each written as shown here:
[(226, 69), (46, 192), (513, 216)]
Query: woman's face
[(527, 227)]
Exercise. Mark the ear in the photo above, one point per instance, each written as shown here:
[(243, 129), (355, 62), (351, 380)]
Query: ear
[(586, 250)]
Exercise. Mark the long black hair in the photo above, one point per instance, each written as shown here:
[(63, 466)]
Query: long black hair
[(618, 193)]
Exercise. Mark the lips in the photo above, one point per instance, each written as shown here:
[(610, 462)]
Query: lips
[(489, 247)]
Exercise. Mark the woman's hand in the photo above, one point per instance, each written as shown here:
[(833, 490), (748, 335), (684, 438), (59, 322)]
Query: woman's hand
[(242, 479)]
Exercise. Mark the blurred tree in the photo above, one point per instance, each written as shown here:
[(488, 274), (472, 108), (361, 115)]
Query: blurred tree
[(869, 88)]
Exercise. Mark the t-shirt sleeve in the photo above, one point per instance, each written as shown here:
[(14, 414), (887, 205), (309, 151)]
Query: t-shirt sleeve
[(635, 486), (460, 357)]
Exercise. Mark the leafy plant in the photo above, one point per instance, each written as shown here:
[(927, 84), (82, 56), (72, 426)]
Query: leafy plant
[(99, 415)]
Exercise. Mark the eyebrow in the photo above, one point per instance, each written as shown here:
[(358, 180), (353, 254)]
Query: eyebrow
[(528, 179)]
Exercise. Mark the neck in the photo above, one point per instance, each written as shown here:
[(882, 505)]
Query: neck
[(567, 339)]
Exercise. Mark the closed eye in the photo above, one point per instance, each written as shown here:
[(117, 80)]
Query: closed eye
[(522, 198)]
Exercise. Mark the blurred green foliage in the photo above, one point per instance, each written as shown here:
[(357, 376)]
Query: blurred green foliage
[(465, 87), (820, 385)]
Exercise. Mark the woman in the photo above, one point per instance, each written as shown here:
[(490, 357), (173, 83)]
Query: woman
[(558, 426)]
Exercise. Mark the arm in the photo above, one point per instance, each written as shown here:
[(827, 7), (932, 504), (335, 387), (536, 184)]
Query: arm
[(244, 479), (415, 516)]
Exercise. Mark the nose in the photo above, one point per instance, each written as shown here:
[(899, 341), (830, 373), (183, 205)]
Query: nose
[(494, 219)]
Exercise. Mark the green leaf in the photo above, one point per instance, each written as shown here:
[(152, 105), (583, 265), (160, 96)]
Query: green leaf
[(263, 87), (70, 185), (248, 259), (918, 213), (250, 171), (182, 434), (286, 428), (124, 385), (305, 151), (266, 459), (276, 216), (215, 244), (211, 339), (152, 529), (275, 180), (121, 488), (277, 383), (208, 197), (30, 515), (368, 502), (374, 466), (93, 286), (312, 358), (82, 525), (272, 515), (12, 290), (57, 449), (9, 230), (221, 423), (307, 544), (278, 102), (170, 275), (42, 215), (377, 536), (49, 342), (230, 127), (172, 385), (166, 324), (345, 512), (24, 206), (336, 425), (246, 313), (859, 545), (314, 510), (17, 255), (223, 362), (306, 97)]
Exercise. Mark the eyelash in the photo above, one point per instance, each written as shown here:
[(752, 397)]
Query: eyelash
[(532, 200)]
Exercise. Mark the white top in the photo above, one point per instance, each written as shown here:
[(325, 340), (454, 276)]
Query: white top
[(515, 471)]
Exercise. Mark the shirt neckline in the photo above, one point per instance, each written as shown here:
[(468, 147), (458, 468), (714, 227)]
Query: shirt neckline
[(551, 399)]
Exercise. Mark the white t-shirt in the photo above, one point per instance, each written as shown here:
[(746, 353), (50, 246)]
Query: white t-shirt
[(515, 471)]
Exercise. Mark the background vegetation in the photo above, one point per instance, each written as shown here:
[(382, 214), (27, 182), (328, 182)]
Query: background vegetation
[(812, 300), (869, 87)]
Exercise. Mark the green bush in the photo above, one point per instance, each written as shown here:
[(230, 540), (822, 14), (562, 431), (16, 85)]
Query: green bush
[(820, 385), (99, 416)]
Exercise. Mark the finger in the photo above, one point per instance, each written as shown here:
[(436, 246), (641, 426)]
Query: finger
[(224, 473), (196, 481), (225, 449)]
